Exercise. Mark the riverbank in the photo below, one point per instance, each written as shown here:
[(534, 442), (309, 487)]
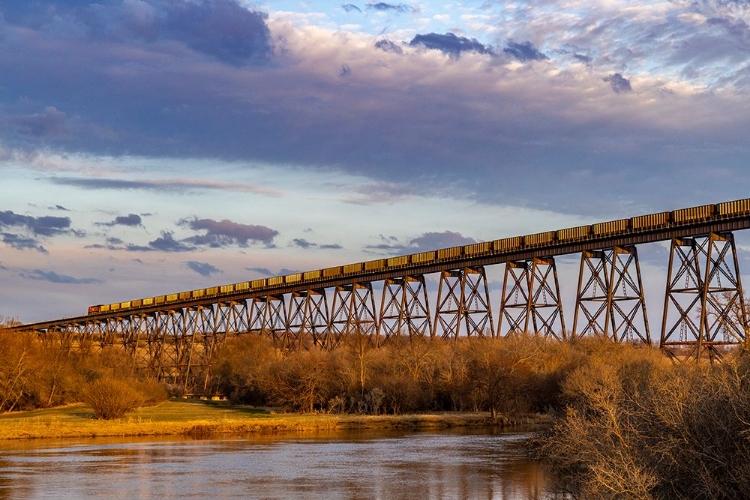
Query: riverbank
[(202, 418)]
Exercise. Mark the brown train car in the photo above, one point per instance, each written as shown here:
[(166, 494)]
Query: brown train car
[(94, 309)]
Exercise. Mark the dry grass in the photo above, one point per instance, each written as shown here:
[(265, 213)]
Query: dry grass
[(199, 418)]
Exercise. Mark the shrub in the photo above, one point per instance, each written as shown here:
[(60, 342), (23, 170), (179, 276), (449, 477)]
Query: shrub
[(112, 398)]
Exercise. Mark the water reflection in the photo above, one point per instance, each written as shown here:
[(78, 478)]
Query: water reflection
[(445, 465)]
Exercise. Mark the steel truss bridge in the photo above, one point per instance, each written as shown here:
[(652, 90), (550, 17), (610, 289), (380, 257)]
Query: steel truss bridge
[(173, 337)]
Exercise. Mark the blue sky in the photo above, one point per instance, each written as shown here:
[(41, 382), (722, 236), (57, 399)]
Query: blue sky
[(152, 146)]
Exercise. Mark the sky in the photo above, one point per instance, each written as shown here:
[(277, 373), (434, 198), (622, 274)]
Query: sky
[(155, 146)]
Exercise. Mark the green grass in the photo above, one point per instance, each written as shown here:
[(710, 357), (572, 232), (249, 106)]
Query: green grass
[(202, 418)]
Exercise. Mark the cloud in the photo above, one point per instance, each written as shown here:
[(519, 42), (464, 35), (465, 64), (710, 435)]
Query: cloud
[(20, 242), (619, 84), (427, 241), (130, 220), (451, 44), (42, 226), (388, 7), (388, 46), (345, 71), (304, 244), (53, 277), (225, 232), (524, 52), (260, 270), (165, 243), (178, 185), (60, 208), (350, 7), (203, 268), (49, 123)]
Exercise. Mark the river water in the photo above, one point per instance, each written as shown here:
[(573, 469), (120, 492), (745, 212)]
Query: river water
[(362, 465)]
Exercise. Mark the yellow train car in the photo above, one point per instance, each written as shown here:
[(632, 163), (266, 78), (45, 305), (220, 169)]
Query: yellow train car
[(449, 253), (733, 207), (573, 233), (507, 244), (353, 268), (375, 265), (611, 227), (332, 271), (539, 238), (313, 275), (477, 248), (398, 261), (290, 279), (421, 258), (693, 214), (650, 221)]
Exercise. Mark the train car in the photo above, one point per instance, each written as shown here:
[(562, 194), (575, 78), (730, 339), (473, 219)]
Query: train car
[(611, 227), (172, 297), (375, 265), (241, 287), (197, 294), (94, 309), (539, 238), (313, 275), (226, 288), (449, 253), (136, 303), (421, 258), (292, 278), (353, 268), (149, 301), (650, 221), (160, 299), (573, 233), (332, 271), (693, 214), (477, 248), (733, 207), (184, 295), (398, 261), (507, 244), (272, 281)]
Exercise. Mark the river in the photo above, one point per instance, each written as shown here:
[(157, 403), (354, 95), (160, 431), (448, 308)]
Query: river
[(360, 465)]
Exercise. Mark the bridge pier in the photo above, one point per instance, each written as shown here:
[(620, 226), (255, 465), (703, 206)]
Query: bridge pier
[(308, 319), (610, 296), (405, 308), (464, 296), (531, 298), (353, 313), (704, 291)]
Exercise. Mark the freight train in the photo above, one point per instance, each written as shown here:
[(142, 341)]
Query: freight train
[(638, 224)]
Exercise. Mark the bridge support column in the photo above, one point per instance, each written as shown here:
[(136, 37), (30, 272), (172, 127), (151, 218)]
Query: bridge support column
[(405, 308), (704, 307), (353, 313), (611, 298), (531, 298), (463, 295), (308, 319), (267, 316)]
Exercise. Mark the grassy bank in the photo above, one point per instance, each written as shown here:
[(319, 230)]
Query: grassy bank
[(199, 418)]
